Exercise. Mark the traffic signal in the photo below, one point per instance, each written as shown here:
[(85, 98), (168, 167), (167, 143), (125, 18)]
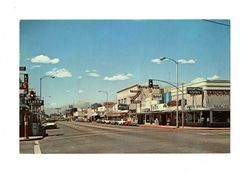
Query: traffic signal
[(150, 83), (32, 95), (26, 78)]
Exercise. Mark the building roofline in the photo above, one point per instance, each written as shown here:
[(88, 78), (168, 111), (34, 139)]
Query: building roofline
[(209, 81), (127, 88)]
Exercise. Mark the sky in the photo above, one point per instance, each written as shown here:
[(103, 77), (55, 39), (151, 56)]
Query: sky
[(87, 56)]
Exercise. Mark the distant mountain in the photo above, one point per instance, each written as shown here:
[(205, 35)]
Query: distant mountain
[(80, 104)]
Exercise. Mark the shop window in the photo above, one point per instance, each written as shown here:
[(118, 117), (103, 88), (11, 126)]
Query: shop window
[(221, 116)]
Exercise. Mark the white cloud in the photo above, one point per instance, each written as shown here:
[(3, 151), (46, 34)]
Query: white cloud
[(198, 79), (44, 59), (35, 66), (181, 61), (119, 77), (60, 73), (93, 74), (184, 61), (79, 77), (68, 91), (214, 77)]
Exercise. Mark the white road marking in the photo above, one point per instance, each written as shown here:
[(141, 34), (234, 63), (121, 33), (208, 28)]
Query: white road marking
[(37, 149)]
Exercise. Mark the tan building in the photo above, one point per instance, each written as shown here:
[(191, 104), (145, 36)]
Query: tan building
[(139, 100)]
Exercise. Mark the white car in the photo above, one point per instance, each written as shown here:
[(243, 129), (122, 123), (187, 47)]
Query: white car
[(50, 125), (121, 122)]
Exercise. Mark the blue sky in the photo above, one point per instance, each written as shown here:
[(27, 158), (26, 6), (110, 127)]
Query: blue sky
[(91, 55)]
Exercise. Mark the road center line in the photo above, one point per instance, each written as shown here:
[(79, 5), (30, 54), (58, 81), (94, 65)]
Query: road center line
[(37, 149)]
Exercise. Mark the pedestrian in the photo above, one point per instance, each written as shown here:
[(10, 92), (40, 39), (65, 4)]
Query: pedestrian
[(168, 121), (156, 121), (207, 123)]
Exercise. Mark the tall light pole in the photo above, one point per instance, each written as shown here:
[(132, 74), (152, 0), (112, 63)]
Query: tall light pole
[(41, 78), (107, 98), (177, 92)]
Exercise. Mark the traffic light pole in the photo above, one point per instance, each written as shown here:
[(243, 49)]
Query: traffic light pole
[(177, 101)]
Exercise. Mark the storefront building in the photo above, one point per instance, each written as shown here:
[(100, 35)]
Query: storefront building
[(205, 103)]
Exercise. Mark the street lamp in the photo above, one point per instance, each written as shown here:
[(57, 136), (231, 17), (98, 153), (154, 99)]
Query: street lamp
[(107, 98), (41, 83), (177, 92)]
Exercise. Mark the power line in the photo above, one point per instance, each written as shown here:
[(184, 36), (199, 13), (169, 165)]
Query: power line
[(219, 23)]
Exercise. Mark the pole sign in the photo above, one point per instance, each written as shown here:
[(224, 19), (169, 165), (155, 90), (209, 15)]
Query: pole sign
[(22, 68), (194, 90)]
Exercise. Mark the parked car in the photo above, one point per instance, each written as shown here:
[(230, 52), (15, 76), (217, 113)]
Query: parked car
[(121, 122), (127, 123), (99, 121), (107, 121), (113, 122)]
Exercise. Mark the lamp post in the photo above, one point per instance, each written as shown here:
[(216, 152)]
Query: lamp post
[(41, 90), (41, 78), (107, 98), (177, 92)]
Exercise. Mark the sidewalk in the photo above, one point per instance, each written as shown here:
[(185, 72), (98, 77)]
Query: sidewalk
[(31, 138), (185, 127)]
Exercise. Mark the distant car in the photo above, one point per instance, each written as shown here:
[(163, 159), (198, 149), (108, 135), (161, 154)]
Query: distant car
[(50, 125)]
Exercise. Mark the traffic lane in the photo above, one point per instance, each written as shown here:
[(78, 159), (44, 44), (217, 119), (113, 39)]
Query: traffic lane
[(77, 139), (116, 140), (186, 141)]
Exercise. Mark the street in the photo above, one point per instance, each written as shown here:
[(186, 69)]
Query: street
[(82, 137)]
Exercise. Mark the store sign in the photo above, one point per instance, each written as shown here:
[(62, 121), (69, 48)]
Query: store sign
[(218, 92), (158, 107), (194, 90), (123, 107), (35, 102)]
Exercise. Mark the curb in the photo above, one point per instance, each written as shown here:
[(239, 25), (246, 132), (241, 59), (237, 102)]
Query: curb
[(31, 138), (185, 128)]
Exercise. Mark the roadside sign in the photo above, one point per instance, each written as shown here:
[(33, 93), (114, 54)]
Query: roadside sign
[(194, 90)]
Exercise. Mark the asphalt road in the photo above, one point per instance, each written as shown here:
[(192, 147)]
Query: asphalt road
[(82, 137)]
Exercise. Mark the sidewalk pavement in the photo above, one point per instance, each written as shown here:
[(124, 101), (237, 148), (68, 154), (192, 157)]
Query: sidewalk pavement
[(30, 138), (184, 128)]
